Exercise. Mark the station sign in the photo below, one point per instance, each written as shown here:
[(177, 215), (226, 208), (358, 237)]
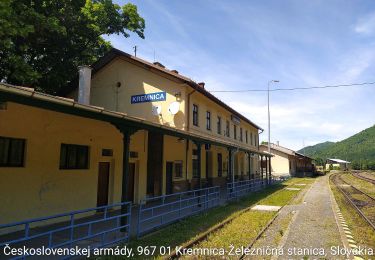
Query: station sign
[(150, 97)]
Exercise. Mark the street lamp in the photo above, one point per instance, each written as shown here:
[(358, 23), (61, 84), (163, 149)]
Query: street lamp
[(269, 120)]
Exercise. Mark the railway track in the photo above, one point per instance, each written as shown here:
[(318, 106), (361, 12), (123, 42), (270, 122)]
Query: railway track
[(360, 175), (360, 201)]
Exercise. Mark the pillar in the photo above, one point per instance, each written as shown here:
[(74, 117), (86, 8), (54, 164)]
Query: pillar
[(249, 164), (126, 134), (270, 173), (199, 158), (230, 165), (261, 167)]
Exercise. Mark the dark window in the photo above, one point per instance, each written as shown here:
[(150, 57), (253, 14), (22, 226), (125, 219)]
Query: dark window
[(74, 156), (235, 132), (107, 152), (178, 169), (227, 131), (219, 165), (241, 137), (133, 154), (219, 125), (246, 137), (208, 117), (195, 115), (12, 152), (251, 138)]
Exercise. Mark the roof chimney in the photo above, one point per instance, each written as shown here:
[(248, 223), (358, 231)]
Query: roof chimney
[(159, 64), (174, 71), (84, 84), (201, 84), (278, 143)]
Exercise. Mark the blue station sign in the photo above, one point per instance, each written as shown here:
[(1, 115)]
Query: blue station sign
[(150, 97)]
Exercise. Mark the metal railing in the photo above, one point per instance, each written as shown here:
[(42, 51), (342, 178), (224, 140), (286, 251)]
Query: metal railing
[(96, 227), (156, 212), (241, 188)]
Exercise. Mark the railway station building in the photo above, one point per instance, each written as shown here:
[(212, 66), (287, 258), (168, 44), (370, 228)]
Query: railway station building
[(124, 130)]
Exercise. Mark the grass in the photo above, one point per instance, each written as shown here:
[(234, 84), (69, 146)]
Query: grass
[(363, 234), (188, 229), (243, 229), (362, 185)]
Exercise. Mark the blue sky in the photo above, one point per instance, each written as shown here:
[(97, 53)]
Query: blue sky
[(235, 45)]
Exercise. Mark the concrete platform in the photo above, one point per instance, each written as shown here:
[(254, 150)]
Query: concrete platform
[(292, 188), (266, 208)]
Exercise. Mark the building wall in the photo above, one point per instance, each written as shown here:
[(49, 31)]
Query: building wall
[(279, 162), (136, 80), (40, 188)]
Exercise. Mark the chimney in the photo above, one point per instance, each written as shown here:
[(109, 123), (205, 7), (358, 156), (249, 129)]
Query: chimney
[(84, 84), (278, 143), (159, 64), (174, 71), (201, 84)]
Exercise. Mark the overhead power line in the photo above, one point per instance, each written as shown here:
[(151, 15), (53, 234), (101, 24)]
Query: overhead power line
[(297, 88)]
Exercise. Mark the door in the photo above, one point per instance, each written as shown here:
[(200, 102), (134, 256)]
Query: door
[(169, 177), (130, 187), (103, 184), (154, 164)]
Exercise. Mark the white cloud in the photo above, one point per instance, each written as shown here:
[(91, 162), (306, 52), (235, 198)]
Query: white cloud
[(366, 25)]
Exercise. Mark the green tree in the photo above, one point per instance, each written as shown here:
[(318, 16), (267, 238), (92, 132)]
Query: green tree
[(319, 161), (43, 42)]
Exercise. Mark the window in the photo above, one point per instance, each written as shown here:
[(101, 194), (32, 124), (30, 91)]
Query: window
[(195, 115), (241, 137), (12, 152), (219, 165), (74, 156), (251, 138), (208, 117), (246, 137), (235, 132), (219, 125), (195, 164), (227, 132), (178, 169)]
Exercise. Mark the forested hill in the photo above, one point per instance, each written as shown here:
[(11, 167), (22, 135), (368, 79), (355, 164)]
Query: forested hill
[(357, 148)]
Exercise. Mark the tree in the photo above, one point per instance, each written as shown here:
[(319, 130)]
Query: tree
[(43, 42), (319, 161)]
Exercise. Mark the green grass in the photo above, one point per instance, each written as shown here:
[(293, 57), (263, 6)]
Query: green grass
[(362, 185), (243, 229)]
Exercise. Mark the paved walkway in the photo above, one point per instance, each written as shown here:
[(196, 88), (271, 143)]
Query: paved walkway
[(314, 228)]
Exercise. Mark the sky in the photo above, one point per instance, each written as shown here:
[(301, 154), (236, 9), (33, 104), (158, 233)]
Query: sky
[(241, 45)]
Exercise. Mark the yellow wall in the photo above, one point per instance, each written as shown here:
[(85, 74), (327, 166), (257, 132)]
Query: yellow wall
[(134, 81), (279, 162), (40, 188)]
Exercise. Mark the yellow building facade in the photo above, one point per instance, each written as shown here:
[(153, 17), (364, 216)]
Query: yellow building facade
[(145, 131)]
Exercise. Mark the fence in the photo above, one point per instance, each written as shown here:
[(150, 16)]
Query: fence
[(94, 227), (241, 188), (158, 211)]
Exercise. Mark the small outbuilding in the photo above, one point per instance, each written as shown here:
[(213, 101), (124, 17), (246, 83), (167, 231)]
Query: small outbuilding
[(337, 164)]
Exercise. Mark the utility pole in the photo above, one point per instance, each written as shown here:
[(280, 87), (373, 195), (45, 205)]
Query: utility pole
[(269, 117)]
